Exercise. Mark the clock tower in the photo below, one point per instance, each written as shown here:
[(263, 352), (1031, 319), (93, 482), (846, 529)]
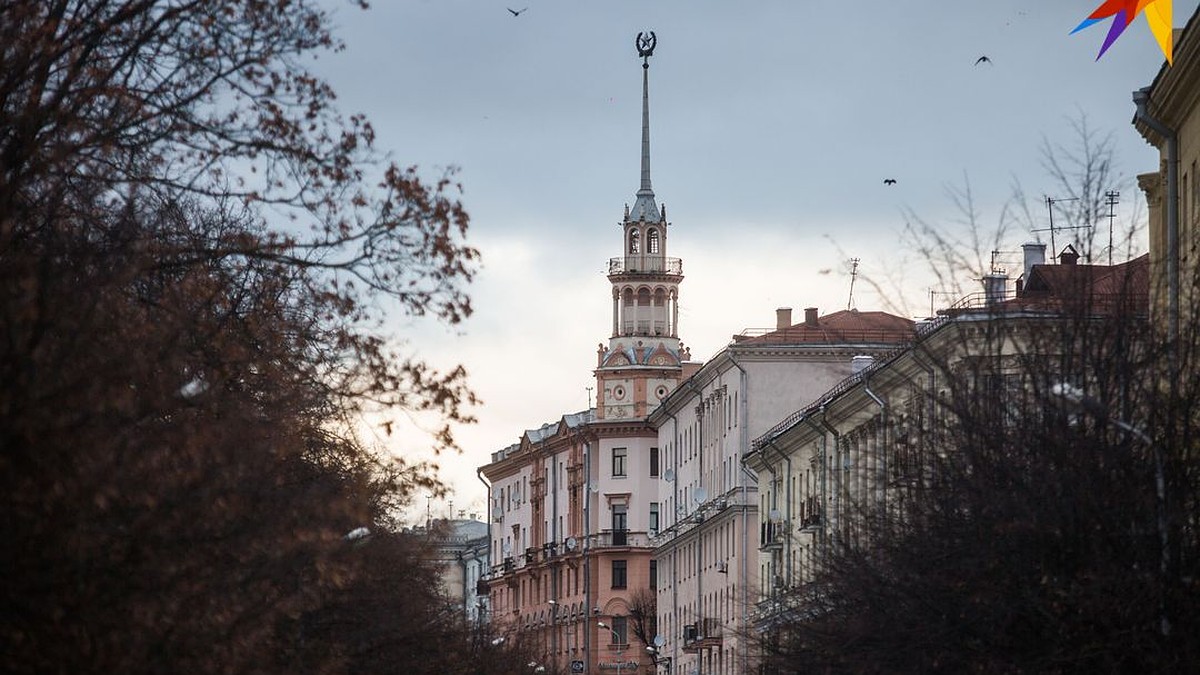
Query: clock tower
[(644, 358)]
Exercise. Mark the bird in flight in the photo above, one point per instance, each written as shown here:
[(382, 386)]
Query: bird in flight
[(982, 59), (889, 181), (516, 12)]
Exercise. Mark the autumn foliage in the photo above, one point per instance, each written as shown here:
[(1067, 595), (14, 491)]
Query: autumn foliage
[(195, 251)]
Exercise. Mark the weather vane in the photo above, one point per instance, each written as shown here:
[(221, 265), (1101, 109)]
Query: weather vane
[(645, 46)]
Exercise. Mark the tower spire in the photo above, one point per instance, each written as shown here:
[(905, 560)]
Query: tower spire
[(644, 208)]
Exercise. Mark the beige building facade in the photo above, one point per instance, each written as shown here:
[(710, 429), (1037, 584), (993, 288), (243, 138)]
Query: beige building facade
[(708, 505), (1168, 117)]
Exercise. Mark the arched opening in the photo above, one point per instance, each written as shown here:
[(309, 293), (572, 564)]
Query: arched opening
[(635, 242), (652, 240)]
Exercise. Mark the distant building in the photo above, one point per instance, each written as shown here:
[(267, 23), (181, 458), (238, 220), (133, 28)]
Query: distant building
[(461, 552)]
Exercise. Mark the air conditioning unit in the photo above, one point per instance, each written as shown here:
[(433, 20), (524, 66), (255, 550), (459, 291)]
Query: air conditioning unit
[(723, 567), (690, 633)]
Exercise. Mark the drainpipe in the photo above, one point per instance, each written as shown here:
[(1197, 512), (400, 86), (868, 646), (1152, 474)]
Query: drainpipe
[(1141, 98), (487, 514), (743, 446)]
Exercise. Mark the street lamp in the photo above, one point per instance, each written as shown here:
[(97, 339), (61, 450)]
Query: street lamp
[(653, 651), (1075, 395), (620, 641)]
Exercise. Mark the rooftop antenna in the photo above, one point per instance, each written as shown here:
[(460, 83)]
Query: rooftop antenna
[(589, 391), (1112, 197), (1050, 202), (853, 276)]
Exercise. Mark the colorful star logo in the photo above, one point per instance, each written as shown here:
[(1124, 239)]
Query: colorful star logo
[(1158, 16)]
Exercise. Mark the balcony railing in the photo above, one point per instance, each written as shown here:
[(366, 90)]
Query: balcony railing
[(650, 263), (619, 538)]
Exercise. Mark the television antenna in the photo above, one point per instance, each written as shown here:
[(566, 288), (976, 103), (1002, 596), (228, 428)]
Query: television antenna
[(853, 276), (1050, 202), (1111, 199)]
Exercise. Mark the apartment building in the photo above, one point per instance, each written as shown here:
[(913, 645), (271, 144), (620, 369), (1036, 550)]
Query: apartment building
[(709, 505)]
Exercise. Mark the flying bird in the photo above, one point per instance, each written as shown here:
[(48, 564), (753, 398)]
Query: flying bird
[(982, 59), (1158, 16), (889, 181), (516, 12)]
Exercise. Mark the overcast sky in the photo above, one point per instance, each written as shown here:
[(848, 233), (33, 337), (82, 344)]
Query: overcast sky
[(773, 126)]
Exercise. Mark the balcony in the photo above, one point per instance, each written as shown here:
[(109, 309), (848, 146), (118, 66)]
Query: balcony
[(705, 634), (619, 539), (772, 536), (645, 264)]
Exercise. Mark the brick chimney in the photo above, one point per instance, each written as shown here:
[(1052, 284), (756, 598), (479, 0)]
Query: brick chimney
[(810, 316), (783, 318)]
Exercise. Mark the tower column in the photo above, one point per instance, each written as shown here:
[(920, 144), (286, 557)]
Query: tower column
[(616, 311), (674, 314)]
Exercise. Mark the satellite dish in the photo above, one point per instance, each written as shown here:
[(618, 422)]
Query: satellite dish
[(659, 641), (507, 548), (497, 513), (669, 476), (571, 543), (593, 487), (700, 495), (775, 516)]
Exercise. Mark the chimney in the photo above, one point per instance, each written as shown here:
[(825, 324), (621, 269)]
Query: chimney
[(810, 316), (1069, 256), (783, 318), (994, 287), (1035, 254)]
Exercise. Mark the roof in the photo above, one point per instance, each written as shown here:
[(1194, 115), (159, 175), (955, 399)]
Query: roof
[(849, 326), (1103, 288)]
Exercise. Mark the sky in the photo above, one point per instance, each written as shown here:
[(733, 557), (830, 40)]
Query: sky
[(773, 126)]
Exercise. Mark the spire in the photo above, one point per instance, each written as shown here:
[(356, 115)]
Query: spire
[(644, 208)]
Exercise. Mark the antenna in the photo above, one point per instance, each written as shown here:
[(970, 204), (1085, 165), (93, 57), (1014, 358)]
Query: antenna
[(589, 391), (1050, 202), (853, 276), (1112, 197)]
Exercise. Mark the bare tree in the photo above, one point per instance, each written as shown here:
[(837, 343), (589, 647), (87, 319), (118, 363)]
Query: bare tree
[(1042, 510)]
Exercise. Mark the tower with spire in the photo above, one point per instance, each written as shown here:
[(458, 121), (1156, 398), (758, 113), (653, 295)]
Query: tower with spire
[(643, 359)]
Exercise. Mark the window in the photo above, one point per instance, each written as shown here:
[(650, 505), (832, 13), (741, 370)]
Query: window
[(653, 516), (620, 630), (653, 574), (619, 457), (619, 574), (652, 240), (654, 462), (620, 524)]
